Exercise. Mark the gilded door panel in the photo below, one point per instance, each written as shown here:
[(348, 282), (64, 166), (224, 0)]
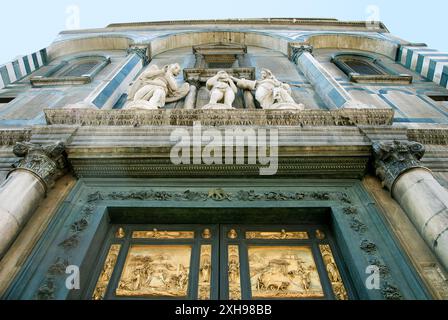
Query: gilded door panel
[(159, 262), (205, 272), (280, 262), (106, 273), (156, 270), (283, 272)]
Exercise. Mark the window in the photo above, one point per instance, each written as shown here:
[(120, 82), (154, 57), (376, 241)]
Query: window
[(439, 98), (77, 71), (80, 69), (365, 69), (5, 100)]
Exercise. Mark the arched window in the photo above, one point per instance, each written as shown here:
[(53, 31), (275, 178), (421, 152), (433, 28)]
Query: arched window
[(363, 68), (76, 71)]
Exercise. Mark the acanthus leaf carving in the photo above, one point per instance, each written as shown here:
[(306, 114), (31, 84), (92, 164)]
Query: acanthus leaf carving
[(48, 162), (392, 158)]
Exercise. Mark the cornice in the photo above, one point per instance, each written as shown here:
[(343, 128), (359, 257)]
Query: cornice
[(180, 117)]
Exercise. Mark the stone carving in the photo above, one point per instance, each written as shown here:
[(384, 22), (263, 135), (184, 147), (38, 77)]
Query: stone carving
[(270, 92), (222, 91), (71, 242), (141, 52), (79, 225), (46, 291), (155, 87), (358, 226), (9, 137), (218, 195), (392, 158), (48, 162), (182, 117), (58, 268), (391, 292), (368, 246), (298, 49), (428, 136)]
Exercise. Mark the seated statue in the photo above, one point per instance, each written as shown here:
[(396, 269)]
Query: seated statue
[(222, 91), (270, 92), (155, 87)]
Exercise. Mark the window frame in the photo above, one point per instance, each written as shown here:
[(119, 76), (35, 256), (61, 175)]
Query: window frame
[(387, 75), (55, 76)]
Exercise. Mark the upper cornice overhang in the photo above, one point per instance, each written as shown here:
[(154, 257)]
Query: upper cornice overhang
[(261, 23)]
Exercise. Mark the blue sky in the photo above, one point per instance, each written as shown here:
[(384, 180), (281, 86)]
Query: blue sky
[(27, 25)]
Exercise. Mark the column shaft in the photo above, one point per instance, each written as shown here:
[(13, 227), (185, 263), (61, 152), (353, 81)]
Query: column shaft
[(190, 99), (326, 86), (249, 100), (20, 195), (27, 185), (425, 202)]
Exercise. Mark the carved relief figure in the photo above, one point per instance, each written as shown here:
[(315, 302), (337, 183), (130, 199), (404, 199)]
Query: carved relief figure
[(155, 87), (222, 91), (270, 92), (156, 271), (283, 272)]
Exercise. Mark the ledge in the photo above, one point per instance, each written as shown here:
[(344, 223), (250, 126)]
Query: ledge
[(182, 117)]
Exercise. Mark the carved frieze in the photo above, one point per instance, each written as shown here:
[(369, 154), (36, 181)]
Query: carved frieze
[(48, 162), (9, 137), (392, 158), (183, 117)]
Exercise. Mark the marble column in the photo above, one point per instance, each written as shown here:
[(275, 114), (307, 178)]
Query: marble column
[(26, 186), (249, 102), (326, 86), (414, 187), (190, 99)]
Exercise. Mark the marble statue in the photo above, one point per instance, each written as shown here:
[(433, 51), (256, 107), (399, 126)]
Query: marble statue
[(155, 87), (270, 92), (222, 91)]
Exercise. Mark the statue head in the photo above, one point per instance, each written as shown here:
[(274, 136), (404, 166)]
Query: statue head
[(266, 74), (175, 69), (222, 74)]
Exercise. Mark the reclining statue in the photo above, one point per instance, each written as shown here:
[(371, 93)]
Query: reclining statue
[(155, 87)]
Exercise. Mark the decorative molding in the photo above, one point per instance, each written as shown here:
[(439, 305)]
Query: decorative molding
[(429, 136), (330, 165), (201, 75), (393, 158), (297, 49), (47, 162), (9, 137), (181, 117), (142, 52)]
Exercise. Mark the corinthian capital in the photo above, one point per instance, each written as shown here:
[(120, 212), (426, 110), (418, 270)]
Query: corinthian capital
[(393, 158), (298, 49), (47, 162)]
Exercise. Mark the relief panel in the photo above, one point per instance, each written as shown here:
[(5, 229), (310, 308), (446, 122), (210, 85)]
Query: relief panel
[(156, 271)]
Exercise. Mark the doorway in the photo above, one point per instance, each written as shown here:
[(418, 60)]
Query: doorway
[(220, 262)]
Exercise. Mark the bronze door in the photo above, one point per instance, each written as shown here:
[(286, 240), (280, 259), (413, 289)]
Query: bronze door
[(229, 262)]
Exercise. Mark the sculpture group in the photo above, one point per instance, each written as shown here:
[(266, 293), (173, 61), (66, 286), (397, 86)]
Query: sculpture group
[(157, 86)]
